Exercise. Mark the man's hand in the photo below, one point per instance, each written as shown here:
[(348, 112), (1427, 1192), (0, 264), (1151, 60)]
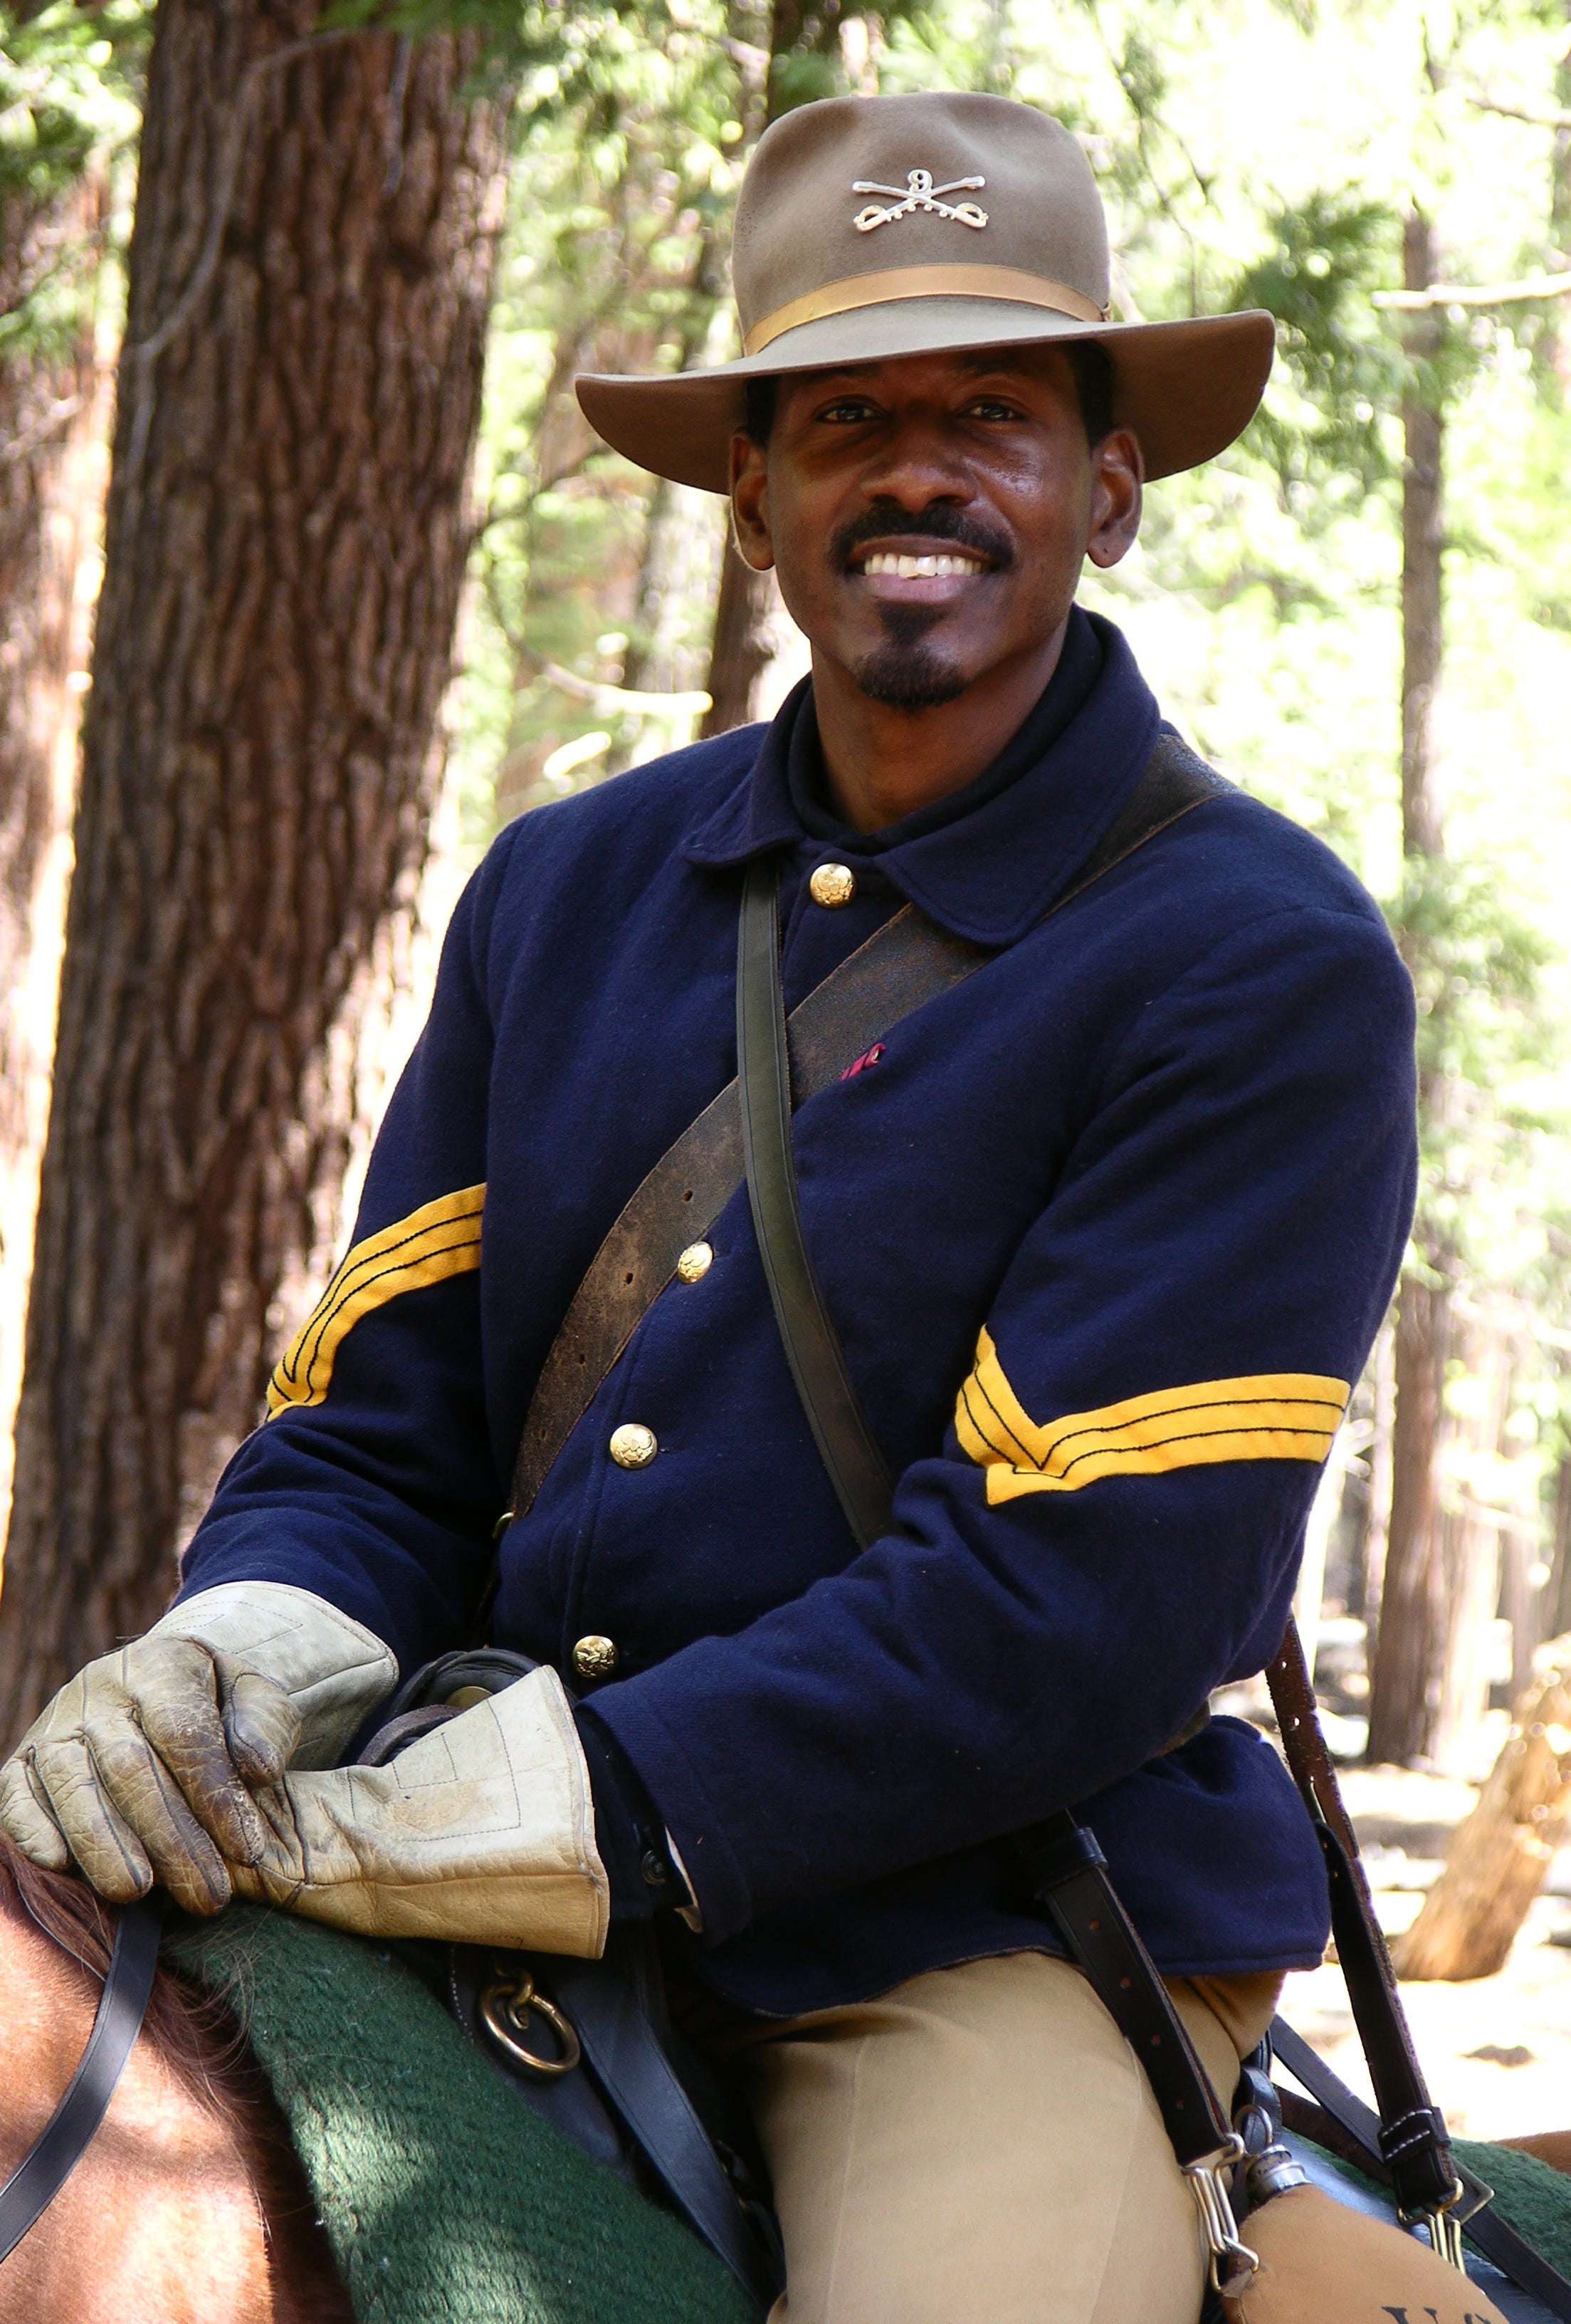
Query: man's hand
[(480, 1832), (143, 1767)]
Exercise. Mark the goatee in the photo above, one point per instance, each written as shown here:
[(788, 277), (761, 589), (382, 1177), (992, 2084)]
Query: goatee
[(906, 673)]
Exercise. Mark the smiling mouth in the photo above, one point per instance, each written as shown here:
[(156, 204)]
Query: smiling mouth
[(904, 567)]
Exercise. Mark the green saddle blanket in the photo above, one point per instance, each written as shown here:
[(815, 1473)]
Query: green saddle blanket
[(446, 2199)]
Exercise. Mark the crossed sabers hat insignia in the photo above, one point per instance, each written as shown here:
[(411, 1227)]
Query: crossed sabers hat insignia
[(920, 194)]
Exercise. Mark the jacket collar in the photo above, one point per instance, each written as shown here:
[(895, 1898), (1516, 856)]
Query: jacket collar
[(992, 873)]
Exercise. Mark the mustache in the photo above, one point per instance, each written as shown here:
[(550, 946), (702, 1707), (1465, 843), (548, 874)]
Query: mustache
[(888, 520)]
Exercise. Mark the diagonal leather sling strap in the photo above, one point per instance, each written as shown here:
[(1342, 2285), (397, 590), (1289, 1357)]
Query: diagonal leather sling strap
[(902, 965)]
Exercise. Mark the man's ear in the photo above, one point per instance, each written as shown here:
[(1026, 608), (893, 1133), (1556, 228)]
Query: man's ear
[(1118, 486), (751, 502)]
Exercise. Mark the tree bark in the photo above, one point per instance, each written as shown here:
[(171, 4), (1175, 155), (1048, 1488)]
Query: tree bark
[(51, 498), (1499, 1857), (1412, 1608), (747, 609), (310, 280), (743, 648), (1405, 1679)]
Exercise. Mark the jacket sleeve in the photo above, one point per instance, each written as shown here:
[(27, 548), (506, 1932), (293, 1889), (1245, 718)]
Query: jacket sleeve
[(1117, 1514), (372, 1479)]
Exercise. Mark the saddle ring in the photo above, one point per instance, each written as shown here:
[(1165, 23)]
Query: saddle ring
[(505, 2009)]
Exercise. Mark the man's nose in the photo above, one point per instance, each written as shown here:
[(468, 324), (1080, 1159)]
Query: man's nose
[(916, 464)]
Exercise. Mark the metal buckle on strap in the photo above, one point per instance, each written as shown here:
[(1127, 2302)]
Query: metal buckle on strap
[(1444, 2226), (1232, 2263)]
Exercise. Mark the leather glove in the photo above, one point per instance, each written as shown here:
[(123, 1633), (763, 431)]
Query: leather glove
[(480, 1832), (140, 1767)]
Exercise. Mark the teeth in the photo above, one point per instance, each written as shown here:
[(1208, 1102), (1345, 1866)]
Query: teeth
[(920, 568)]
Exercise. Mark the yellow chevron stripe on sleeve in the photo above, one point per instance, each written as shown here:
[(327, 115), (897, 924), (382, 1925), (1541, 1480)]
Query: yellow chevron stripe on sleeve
[(439, 1240), (1265, 1416)]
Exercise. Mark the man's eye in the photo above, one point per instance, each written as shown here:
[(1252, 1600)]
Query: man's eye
[(847, 412), (993, 407)]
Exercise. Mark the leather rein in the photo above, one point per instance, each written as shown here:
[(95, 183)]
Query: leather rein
[(69, 2131)]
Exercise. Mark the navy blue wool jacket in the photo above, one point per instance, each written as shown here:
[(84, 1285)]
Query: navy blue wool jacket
[(1106, 1232)]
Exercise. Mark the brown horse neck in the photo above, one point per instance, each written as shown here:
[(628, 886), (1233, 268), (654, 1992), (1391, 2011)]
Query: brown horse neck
[(190, 2204)]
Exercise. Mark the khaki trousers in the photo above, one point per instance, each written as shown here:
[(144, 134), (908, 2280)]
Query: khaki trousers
[(980, 2147)]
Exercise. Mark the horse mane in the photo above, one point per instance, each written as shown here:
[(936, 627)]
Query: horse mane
[(192, 2032), (197, 2039)]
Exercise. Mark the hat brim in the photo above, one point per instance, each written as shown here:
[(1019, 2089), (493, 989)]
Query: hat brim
[(1186, 389)]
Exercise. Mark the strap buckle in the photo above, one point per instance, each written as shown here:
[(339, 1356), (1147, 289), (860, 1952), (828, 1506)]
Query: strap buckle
[(1232, 2263), (1444, 2226)]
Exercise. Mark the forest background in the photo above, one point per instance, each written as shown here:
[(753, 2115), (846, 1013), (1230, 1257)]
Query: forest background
[(290, 308)]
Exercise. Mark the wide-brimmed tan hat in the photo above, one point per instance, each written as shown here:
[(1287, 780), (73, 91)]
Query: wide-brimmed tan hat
[(869, 227)]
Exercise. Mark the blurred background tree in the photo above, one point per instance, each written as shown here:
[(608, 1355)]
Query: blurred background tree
[(1363, 612)]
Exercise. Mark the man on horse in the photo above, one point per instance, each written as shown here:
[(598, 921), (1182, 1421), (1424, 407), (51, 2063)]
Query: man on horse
[(1103, 1227)]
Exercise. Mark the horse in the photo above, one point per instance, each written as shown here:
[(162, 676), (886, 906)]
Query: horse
[(189, 2207)]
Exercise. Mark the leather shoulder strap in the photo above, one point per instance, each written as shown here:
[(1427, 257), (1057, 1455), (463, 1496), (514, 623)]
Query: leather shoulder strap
[(905, 962), (902, 964)]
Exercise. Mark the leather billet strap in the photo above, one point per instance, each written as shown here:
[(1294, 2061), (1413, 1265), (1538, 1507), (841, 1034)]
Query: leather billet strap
[(902, 965), (69, 2131), (1412, 2137)]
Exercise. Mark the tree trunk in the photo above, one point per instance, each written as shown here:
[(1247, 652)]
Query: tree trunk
[(748, 612), (1471, 1542), (1401, 1688), (310, 280), (1422, 545), (51, 498), (1405, 1679), (1554, 348), (1377, 1530), (742, 647), (1557, 1591), (1498, 1858)]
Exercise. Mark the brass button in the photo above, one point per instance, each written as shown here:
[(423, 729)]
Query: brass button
[(833, 885), (594, 1657), (695, 1261), (633, 1446)]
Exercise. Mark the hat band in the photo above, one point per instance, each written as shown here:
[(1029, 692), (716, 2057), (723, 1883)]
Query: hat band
[(953, 281)]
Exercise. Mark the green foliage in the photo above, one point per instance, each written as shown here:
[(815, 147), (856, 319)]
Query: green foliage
[(1327, 254), (70, 83)]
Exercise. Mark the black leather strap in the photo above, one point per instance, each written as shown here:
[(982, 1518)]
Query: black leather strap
[(818, 1365), (69, 2133), (1495, 2237), (1412, 2134), (1069, 1879), (612, 2019)]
